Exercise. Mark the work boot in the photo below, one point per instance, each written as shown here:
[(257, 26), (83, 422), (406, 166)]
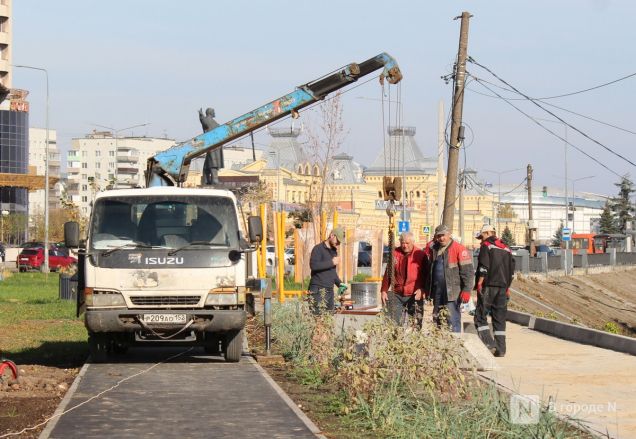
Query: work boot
[(497, 353)]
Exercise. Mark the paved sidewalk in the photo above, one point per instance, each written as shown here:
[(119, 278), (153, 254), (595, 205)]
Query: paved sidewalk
[(188, 397), (595, 385)]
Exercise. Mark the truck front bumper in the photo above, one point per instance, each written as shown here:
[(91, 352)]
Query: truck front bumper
[(126, 320)]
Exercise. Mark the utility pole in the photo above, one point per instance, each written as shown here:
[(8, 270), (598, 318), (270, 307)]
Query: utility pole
[(530, 220), (441, 146), (461, 207), (458, 107)]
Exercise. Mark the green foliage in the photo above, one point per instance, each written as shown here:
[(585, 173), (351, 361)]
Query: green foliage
[(507, 237), (622, 208), (361, 277), (397, 382), (300, 217), (611, 327), (608, 223), (557, 238)]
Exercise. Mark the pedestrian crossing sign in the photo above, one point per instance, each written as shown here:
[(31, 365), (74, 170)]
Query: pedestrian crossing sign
[(426, 230)]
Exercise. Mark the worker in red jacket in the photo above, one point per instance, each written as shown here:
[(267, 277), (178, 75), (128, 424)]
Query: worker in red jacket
[(407, 296), (448, 276)]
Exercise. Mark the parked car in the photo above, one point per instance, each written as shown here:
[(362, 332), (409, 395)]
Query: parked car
[(32, 258), (546, 249), (2, 251), (33, 244), (270, 254)]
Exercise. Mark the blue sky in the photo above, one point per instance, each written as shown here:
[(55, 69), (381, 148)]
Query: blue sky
[(122, 63)]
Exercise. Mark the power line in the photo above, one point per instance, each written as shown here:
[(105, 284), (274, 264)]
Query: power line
[(550, 131), (546, 103), (470, 59), (575, 92)]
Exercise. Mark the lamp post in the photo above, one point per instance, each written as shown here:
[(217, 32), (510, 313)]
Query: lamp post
[(115, 131), (46, 167), (499, 174), (574, 197)]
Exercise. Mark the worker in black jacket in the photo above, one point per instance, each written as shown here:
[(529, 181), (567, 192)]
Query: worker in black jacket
[(323, 261), (495, 268)]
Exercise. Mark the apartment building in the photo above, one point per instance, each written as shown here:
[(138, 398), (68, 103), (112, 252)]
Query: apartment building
[(101, 161), (37, 165)]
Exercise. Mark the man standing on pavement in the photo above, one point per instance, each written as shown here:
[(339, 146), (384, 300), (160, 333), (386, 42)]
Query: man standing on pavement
[(323, 261), (448, 276), (495, 267), (408, 276)]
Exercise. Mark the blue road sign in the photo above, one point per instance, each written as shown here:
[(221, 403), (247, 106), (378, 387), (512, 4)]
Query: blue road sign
[(403, 226), (565, 234)]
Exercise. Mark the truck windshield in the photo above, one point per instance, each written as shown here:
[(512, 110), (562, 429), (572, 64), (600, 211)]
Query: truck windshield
[(164, 222)]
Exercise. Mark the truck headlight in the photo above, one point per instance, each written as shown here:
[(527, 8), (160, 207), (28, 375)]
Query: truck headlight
[(105, 298), (222, 299)]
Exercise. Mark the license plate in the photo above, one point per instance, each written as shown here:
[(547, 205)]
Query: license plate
[(165, 318)]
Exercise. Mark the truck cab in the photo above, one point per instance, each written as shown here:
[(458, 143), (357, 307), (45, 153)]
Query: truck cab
[(164, 265)]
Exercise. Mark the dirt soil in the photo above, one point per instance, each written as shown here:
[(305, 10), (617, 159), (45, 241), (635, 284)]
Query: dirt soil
[(600, 301), (32, 398)]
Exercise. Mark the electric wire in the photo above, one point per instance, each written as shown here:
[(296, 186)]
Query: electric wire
[(552, 132), (472, 60), (546, 103)]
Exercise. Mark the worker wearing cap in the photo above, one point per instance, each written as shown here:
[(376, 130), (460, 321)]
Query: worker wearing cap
[(323, 261), (495, 267), (407, 297), (448, 276)]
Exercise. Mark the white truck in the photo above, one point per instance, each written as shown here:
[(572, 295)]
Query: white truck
[(166, 264), (163, 265)]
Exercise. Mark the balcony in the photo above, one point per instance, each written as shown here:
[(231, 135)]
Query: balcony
[(131, 156), (123, 168)]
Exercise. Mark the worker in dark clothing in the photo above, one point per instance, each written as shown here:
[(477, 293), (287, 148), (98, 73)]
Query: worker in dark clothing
[(323, 261), (495, 268), (448, 276)]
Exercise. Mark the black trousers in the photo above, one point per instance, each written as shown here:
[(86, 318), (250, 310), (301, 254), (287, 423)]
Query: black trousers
[(399, 307), (492, 300)]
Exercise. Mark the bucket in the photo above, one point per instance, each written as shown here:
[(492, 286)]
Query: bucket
[(364, 294)]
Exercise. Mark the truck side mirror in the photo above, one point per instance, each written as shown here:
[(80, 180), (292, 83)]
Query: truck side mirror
[(71, 234), (255, 229)]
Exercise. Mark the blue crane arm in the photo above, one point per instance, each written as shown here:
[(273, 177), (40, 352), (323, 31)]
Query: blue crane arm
[(170, 167)]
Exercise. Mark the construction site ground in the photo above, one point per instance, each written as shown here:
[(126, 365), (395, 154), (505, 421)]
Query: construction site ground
[(604, 300)]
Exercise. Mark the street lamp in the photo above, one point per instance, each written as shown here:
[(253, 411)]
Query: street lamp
[(499, 174), (114, 131), (574, 197), (46, 168)]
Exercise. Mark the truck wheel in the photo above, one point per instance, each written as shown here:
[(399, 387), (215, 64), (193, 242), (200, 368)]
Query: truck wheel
[(99, 347), (233, 346), (211, 345)]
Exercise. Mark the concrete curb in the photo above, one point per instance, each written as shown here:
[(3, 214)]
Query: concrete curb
[(575, 333), (579, 334), (64, 403), (292, 405)]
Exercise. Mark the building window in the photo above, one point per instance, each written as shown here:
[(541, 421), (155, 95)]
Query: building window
[(98, 153), (84, 177), (98, 165), (417, 194), (111, 153), (111, 165), (84, 153), (84, 165), (84, 187), (84, 199)]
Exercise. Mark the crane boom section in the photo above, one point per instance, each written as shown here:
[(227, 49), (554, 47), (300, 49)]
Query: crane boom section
[(170, 167)]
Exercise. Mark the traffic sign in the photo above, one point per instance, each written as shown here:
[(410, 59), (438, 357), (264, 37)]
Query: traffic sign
[(426, 230), (565, 234), (403, 226)]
